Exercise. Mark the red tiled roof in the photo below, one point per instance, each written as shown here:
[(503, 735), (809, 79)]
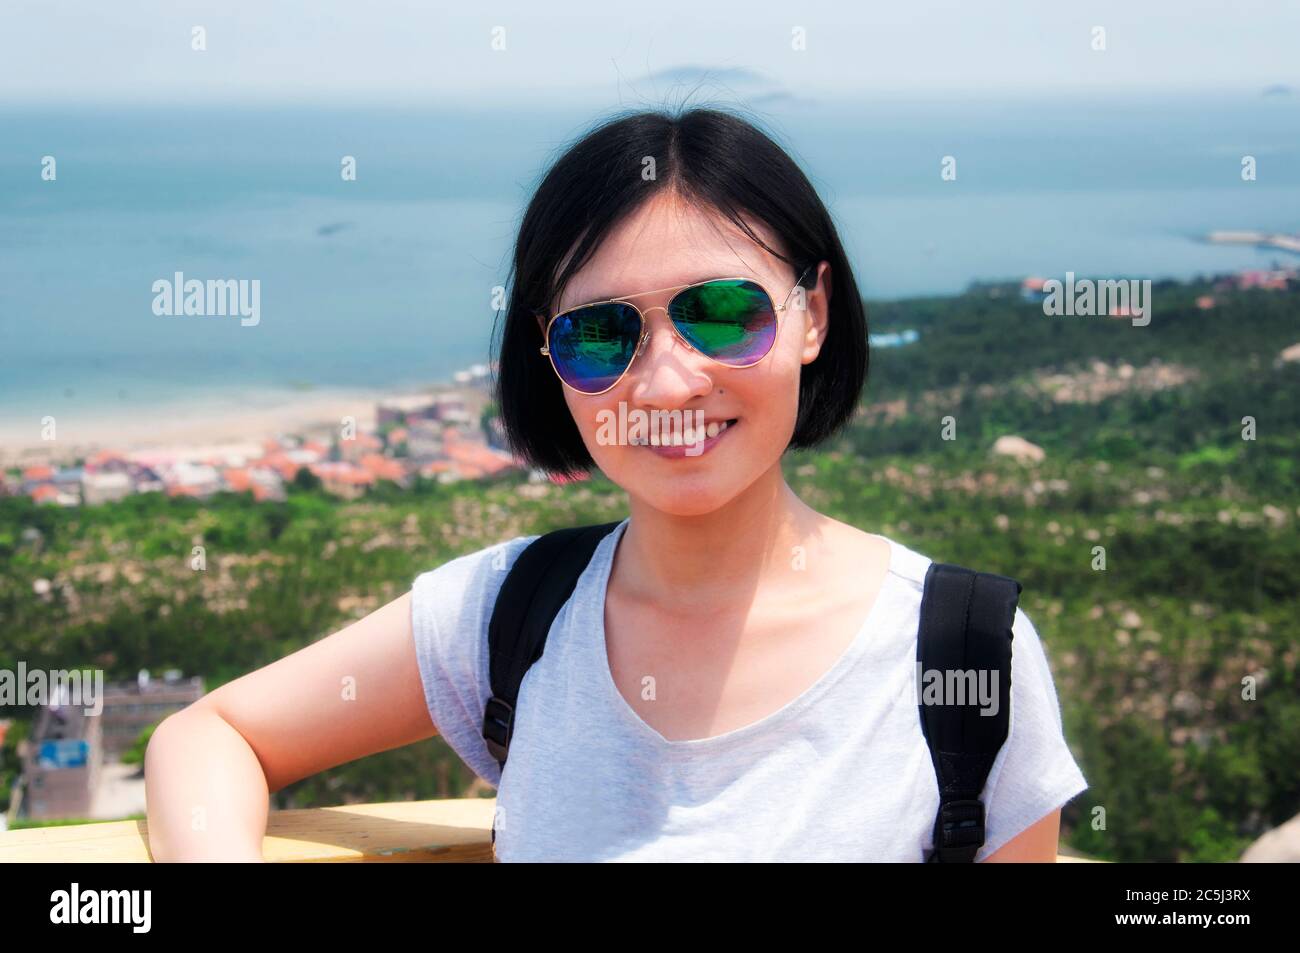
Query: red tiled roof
[(237, 479), (475, 455), (101, 457), (280, 463), (383, 468), (343, 473)]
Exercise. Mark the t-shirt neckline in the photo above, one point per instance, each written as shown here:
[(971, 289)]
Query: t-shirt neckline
[(603, 564)]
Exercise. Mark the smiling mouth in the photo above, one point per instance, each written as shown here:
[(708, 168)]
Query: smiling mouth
[(688, 442)]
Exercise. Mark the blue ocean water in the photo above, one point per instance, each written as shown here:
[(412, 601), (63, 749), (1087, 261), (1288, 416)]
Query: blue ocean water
[(386, 281)]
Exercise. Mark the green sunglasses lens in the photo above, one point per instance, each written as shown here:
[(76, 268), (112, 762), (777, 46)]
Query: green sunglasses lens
[(591, 347), (731, 320)]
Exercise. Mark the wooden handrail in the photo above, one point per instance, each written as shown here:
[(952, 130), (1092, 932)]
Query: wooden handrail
[(453, 830)]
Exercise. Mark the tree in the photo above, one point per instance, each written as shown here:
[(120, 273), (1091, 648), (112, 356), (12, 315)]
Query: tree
[(304, 479), (135, 753)]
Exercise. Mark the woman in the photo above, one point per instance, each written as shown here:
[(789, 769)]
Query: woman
[(733, 677)]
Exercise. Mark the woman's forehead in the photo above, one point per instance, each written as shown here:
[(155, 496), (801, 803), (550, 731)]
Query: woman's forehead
[(654, 250), (664, 279)]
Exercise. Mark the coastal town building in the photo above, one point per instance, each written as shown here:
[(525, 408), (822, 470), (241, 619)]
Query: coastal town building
[(447, 435), (131, 707), (105, 487), (70, 752), (61, 763)]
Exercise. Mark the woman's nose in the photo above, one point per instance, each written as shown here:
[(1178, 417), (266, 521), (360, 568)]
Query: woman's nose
[(667, 372)]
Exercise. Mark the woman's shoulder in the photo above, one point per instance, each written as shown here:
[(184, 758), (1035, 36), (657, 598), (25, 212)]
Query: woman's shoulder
[(451, 606), (860, 551), (494, 555), (909, 567), (912, 566), (472, 579), (906, 564)]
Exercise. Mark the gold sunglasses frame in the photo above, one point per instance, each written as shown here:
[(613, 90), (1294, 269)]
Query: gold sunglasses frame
[(777, 311)]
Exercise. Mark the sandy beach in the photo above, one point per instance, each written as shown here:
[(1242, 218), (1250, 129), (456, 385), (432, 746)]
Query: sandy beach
[(220, 425)]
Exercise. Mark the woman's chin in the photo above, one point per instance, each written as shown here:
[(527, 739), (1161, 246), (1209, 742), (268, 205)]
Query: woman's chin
[(683, 496)]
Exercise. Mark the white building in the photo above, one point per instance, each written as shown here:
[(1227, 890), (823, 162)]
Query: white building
[(104, 487)]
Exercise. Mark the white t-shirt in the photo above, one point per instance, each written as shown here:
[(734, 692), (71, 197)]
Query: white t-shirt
[(841, 773)]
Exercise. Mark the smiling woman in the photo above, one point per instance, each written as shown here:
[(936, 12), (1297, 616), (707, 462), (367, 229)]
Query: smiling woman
[(731, 624), (728, 674)]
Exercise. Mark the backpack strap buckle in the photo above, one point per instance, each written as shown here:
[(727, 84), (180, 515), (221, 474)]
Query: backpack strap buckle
[(959, 831), (498, 726)]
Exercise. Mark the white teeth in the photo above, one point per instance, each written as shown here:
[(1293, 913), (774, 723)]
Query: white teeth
[(686, 435)]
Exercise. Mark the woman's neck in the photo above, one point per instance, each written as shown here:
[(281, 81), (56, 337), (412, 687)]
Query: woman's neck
[(720, 559)]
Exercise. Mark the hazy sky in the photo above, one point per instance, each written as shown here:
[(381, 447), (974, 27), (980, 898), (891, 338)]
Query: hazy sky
[(403, 51)]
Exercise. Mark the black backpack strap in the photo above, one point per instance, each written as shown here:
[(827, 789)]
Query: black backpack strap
[(538, 585), (966, 620)]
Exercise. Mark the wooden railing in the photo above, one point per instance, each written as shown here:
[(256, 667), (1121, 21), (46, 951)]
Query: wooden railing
[(456, 830)]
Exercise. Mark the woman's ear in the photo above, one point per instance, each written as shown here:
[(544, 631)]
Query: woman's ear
[(816, 301)]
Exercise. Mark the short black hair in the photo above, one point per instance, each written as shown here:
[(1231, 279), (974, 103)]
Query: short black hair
[(712, 157)]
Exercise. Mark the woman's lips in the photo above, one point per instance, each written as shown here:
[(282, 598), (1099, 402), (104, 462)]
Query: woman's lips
[(696, 449)]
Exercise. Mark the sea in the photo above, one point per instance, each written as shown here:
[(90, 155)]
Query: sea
[(386, 281)]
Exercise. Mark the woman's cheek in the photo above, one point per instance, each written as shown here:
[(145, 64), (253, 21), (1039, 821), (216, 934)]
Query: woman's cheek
[(587, 416)]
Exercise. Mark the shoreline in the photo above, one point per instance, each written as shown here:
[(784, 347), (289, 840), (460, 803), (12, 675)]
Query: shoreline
[(215, 425)]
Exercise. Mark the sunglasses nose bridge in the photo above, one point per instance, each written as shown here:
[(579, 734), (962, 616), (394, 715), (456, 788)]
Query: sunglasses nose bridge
[(645, 329)]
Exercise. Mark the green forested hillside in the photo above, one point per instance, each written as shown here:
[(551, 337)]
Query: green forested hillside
[(1141, 429)]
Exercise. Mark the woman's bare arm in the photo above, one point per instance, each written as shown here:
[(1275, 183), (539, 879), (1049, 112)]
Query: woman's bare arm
[(210, 768), (1038, 843)]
